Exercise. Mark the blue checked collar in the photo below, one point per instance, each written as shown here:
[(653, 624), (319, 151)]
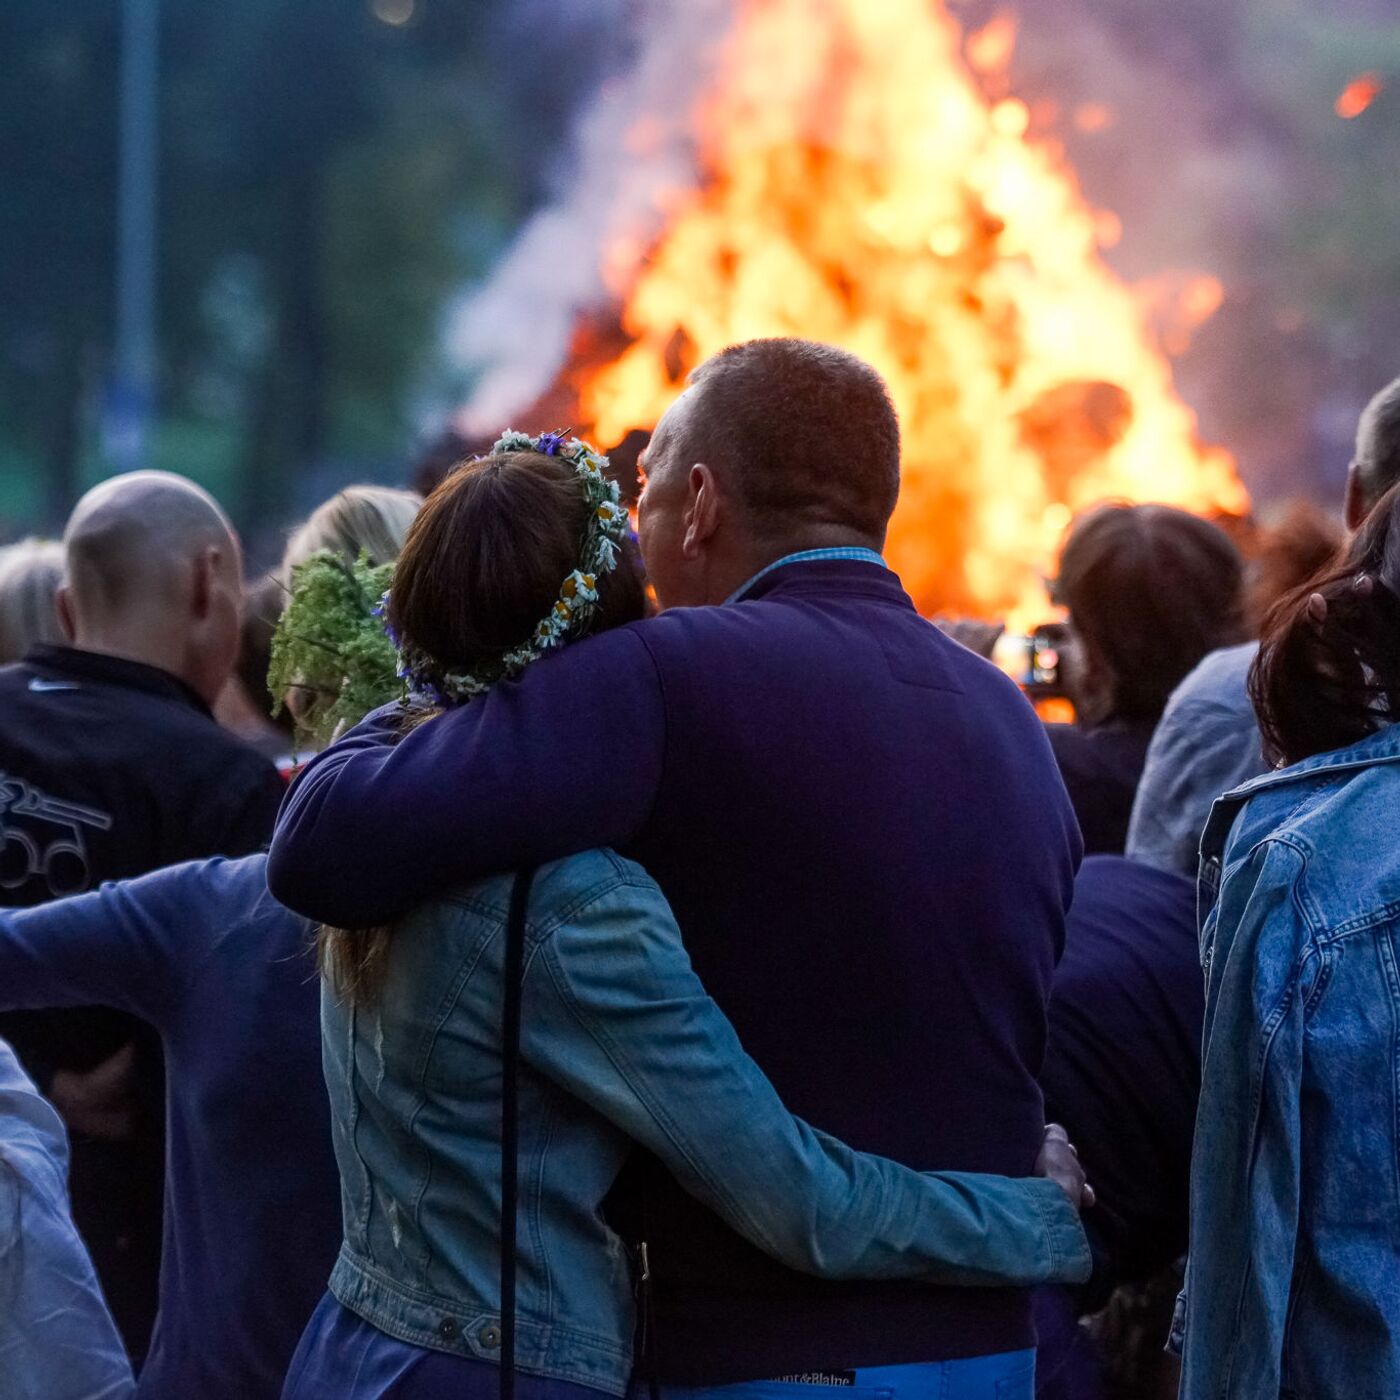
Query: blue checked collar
[(807, 556)]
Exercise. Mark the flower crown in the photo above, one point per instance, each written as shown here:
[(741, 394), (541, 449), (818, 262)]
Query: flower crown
[(605, 527)]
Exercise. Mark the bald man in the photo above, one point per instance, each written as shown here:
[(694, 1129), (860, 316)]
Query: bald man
[(111, 764)]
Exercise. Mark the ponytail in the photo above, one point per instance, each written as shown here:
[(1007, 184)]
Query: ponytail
[(1328, 670)]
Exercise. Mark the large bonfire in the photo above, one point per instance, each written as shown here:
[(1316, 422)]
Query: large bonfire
[(867, 181)]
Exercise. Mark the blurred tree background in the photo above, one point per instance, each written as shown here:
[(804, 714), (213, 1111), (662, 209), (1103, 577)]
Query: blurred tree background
[(331, 172), (334, 173)]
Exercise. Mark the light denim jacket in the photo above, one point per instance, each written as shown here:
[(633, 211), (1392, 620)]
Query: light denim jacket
[(620, 1044), (1206, 743), (57, 1339), (1293, 1285)]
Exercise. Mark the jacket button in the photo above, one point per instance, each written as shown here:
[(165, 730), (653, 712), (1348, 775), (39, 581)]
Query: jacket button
[(489, 1336), (447, 1329)]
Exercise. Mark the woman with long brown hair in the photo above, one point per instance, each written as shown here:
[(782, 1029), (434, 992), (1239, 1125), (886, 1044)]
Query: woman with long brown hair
[(494, 1058), (1148, 590), (1295, 1178)]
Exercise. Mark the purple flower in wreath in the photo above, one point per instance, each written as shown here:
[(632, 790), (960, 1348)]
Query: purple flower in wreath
[(381, 611), (550, 443)]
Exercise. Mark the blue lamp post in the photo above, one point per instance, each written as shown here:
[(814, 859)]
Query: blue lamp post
[(131, 394)]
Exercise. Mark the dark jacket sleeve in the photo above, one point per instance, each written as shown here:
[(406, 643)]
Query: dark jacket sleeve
[(566, 758), (133, 945)]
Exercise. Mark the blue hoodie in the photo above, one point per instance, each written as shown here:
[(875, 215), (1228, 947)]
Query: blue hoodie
[(252, 1222)]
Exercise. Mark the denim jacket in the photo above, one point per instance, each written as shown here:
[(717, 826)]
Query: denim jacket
[(1293, 1284), (619, 1045)]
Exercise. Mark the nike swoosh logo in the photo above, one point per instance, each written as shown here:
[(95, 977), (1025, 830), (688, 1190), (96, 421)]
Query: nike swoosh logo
[(39, 687)]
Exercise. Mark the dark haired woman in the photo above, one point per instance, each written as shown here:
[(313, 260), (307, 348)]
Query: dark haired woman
[(1293, 1286), (619, 1045), (1148, 591)]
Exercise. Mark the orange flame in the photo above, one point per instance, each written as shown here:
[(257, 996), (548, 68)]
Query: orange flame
[(1358, 95), (989, 49), (862, 190)]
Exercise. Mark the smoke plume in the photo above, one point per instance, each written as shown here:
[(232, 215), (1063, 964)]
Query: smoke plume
[(633, 145)]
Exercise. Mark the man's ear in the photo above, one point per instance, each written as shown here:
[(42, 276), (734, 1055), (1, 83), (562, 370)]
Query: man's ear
[(1354, 508), (67, 618), (204, 575), (703, 514)]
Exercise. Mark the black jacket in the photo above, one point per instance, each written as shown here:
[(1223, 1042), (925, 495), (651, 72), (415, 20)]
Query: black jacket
[(1101, 765), (110, 768)]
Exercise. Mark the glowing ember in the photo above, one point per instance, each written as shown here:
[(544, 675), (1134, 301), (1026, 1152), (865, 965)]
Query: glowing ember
[(861, 189), (1090, 117), (1358, 95)]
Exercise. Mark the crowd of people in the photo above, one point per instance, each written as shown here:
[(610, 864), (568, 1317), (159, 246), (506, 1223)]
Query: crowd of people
[(682, 968)]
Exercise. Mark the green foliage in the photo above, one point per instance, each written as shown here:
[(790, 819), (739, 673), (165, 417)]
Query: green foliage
[(330, 645)]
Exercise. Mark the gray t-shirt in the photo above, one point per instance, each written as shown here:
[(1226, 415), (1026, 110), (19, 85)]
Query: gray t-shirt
[(1206, 744)]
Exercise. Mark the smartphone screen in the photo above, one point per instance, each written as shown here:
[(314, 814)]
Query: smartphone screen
[(1045, 658), (1014, 654), (1033, 661)]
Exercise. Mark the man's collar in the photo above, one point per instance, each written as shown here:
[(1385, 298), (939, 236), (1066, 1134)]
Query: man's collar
[(101, 669), (809, 556)]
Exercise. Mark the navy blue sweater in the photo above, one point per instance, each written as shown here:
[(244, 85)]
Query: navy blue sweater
[(865, 839), (252, 1199), (1123, 1067)]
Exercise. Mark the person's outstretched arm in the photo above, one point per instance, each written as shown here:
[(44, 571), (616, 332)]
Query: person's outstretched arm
[(615, 1014), (565, 758), (132, 945)]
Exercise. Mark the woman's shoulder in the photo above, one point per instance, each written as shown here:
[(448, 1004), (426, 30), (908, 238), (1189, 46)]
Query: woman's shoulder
[(1321, 832), (1312, 806), (559, 889), (563, 888)]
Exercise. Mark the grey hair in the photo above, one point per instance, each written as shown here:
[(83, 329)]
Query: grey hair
[(30, 574)]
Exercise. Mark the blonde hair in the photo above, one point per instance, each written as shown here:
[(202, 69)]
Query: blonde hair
[(372, 520), (30, 573)]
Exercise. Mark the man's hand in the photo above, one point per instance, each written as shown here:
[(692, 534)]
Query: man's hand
[(1060, 1162)]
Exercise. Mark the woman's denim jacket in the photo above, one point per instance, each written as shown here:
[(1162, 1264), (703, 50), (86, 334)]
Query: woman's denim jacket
[(1293, 1285), (620, 1044)]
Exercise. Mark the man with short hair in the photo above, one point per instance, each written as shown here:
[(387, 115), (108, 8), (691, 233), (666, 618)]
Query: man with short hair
[(1207, 742), (111, 764), (859, 824)]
